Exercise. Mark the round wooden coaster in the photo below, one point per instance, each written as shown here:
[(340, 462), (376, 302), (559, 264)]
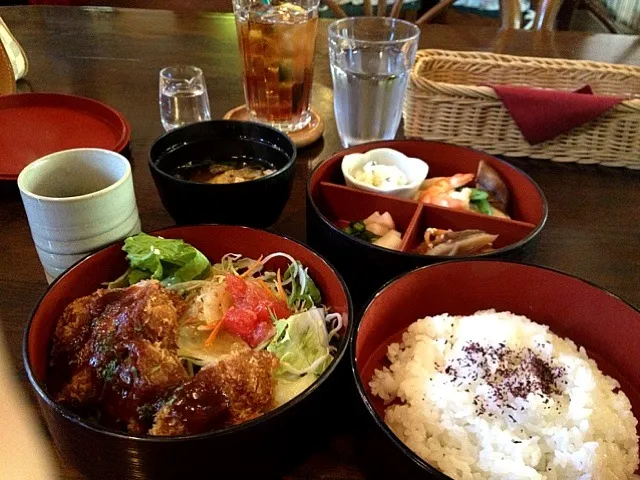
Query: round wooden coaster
[(301, 138)]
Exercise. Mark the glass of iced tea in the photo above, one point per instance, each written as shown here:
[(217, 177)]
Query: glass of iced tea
[(277, 40)]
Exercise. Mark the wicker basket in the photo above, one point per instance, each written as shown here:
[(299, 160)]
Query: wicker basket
[(445, 103)]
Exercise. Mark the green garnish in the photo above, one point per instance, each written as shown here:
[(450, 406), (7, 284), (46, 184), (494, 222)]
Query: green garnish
[(168, 260), (479, 201), (304, 293), (109, 370), (483, 206), (359, 230), (477, 195)]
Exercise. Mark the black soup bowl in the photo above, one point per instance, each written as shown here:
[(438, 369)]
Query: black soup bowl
[(254, 203)]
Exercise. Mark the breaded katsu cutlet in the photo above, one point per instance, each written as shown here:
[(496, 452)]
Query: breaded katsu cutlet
[(234, 390), (117, 349)]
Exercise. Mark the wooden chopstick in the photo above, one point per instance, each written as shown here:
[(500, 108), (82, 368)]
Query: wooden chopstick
[(395, 10), (434, 11), (335, 9)]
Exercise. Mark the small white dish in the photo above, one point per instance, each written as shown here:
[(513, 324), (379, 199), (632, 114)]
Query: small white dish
[(414, 169)]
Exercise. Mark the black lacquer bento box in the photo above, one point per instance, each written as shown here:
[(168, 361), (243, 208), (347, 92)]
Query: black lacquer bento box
[(332, 205)]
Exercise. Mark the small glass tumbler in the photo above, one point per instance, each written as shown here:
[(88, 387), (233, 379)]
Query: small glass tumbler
[(183, 96), (370, 58)]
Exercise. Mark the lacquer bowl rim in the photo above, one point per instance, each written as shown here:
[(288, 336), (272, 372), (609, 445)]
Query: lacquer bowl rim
[(535, 232), (362, 388), (68, 415)]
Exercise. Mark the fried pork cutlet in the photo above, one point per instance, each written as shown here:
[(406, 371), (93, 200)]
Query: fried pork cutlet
[(116, 349), (236, 389)]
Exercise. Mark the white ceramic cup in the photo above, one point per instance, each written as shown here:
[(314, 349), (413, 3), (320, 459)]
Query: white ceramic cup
[(77, 201)]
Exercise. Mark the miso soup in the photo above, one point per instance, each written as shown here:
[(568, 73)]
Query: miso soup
[(234, 170)]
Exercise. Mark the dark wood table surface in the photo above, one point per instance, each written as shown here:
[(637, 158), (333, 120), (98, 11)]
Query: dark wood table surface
[(113, 55)]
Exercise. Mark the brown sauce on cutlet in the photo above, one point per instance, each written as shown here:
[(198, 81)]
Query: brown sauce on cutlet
[(200, 407)]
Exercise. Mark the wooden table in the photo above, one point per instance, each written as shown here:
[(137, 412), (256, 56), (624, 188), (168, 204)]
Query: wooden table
[(593, 229)]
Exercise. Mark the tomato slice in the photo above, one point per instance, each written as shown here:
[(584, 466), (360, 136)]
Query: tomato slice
[(250, 315), (240, 321), (261, 333)]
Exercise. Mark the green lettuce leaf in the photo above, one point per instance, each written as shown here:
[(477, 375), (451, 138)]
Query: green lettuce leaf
[(304, 293), (168, 260), (301, 343)]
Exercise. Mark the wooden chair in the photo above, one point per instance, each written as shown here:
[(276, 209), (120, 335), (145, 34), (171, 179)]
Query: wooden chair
[(550, 14), (559, 15), (510, 11)]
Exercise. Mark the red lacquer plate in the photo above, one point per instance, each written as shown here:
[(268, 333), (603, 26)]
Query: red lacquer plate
[(606, 326), (37, 124)]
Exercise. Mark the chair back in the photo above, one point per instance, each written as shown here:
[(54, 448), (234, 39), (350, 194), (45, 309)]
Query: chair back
[(510, 12)]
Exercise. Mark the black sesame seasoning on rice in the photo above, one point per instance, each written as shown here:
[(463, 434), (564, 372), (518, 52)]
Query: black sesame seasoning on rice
[(510, 373)]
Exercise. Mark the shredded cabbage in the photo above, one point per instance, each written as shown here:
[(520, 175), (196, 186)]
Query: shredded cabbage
[(304, 293), (301, 343)]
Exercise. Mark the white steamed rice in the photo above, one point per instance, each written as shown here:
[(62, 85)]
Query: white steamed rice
[(582, 430)]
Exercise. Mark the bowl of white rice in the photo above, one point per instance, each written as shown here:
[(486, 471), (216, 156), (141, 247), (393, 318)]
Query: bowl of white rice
[(489, 369)]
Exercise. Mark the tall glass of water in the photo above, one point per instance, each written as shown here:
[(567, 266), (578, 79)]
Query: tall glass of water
[(370, 58), (183, 97)]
